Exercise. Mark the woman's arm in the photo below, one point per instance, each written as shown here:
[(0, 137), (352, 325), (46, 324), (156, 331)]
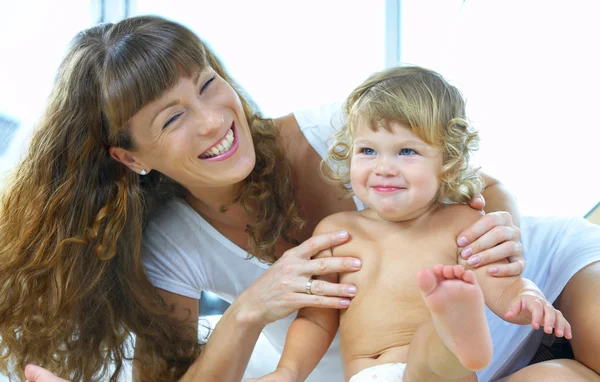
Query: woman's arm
[(310, 334), (279, 292), (498, 198), (226, 354)]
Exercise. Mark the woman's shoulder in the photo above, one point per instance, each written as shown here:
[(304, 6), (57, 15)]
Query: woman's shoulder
[(315, 125), (170, 216), (175, 226), (172, 248), (330, 114)]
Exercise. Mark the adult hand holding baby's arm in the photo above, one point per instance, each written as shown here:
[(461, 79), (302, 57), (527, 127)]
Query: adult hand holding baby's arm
[(531, 306)]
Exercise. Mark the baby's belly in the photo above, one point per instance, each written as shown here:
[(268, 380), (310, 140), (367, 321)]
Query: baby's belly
[(379, 330)]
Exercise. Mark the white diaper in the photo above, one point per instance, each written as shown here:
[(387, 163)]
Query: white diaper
[(388, 372)]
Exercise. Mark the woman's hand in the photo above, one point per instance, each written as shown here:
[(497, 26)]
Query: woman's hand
[(477, 203), (282, 289), (492, 238), (35, 373)]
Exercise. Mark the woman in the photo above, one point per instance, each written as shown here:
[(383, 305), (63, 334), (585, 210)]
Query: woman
[(144, 133)]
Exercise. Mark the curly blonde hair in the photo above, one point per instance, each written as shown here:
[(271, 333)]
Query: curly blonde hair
[(72, 285), (432, 108)]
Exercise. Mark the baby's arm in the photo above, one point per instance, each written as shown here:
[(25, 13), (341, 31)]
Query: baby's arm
[(313, 330), (514, 299)]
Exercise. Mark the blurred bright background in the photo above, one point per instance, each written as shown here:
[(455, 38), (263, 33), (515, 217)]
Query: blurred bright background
[(529, 70)]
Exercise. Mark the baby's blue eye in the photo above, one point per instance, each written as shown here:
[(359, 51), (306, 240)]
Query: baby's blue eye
[(407, 152), (368, 151)]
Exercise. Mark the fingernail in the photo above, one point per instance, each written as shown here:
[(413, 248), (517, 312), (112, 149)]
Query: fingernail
[(473, 260), (356, 263), (479, 198), (466, 252), (493, 270), (345, 302), (462, 241), (343, 235), (351, 289)]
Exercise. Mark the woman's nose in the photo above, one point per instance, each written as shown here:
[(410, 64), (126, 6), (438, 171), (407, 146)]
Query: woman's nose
[(209, 121)]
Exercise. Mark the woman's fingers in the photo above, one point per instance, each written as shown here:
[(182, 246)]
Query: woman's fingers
[(283, 288), (478, 202), (484, 225), (327, 265), (324, 288), (317, 301), (511, 269), (494, 254), (318, 243), (491, 239)]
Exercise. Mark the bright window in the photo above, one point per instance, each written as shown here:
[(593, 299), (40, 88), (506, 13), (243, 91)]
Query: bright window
[(287, 54), (35, 36), (529, 71)]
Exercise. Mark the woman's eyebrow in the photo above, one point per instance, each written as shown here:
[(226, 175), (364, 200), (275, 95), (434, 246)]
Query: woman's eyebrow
[(175, 102)]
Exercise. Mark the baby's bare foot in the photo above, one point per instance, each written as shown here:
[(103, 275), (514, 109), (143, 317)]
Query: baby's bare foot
[(457, 308)]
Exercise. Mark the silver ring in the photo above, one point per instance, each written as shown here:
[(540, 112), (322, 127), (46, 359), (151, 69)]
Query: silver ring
[(309, 286)]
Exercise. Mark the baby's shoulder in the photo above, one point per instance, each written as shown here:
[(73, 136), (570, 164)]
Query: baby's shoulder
[(346, 220), (457, 217)]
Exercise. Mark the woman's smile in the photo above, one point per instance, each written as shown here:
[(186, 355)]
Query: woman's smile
[(222, 149)]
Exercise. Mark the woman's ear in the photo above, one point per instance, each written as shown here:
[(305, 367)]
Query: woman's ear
[(121, 155)]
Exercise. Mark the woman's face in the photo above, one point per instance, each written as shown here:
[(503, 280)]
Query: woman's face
[(196, 134)]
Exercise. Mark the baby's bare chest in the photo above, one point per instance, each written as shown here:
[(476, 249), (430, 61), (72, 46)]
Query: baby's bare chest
[(388, 292), (391, 263)]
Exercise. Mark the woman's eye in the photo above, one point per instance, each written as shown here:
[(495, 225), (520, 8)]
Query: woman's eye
[(207, 84), (171, 120), (407, 152), (367, 151)]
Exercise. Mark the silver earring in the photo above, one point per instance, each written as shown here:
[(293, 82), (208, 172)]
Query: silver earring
[(143, 172)]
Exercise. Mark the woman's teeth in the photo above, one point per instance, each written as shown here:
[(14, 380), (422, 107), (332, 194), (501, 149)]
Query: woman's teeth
[(221, 147)]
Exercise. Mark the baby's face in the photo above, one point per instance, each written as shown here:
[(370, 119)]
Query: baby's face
[(395, 173)]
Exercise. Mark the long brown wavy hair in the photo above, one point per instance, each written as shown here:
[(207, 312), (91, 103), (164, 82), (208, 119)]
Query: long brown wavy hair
[(432, 108), (72, 285)]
